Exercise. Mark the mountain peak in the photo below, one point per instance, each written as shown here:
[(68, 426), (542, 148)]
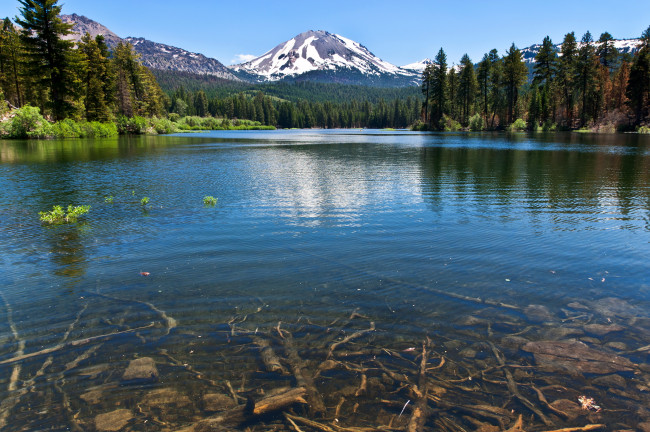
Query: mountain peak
[(318, 50)]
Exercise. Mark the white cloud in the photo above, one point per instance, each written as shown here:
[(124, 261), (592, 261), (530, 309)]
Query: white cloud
[(242, 58)]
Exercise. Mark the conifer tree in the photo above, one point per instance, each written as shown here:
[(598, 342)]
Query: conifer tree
[(426, 87), (96, 74), (638, 88), (607, 52), (438, 89), (49, 55), (10, 68), (467, 87), (567, 74), (514, 74), (544, 73), (586, 74)]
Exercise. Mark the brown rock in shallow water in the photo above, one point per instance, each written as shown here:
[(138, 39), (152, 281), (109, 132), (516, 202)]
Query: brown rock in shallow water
[(142, 369), (615, 381), (538, 313), (570, 408), (113, 421), (213, 402), (601, 329), (569, 355)]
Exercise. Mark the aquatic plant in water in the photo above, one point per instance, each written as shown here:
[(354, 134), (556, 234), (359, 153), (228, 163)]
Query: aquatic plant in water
[(209, 200), (144, 201), (109, 199), (60, 216)]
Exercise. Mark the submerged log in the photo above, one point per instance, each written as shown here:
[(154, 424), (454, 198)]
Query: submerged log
[(567, 355), (251, 410), (269, 357), (302, 375)]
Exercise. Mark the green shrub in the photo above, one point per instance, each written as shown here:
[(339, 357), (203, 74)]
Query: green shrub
[(28, 123), (448, 124), (59, 216), (644, 130), (476, 123), (163, 126), (518, 126)]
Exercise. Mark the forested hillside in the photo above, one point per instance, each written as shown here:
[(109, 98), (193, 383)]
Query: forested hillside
[(586, 84)]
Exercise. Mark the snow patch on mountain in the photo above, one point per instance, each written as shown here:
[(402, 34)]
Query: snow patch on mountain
[(419, 66), (318, 51)]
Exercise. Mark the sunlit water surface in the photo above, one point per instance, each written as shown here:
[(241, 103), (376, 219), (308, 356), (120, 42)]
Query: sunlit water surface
[(450, 237)]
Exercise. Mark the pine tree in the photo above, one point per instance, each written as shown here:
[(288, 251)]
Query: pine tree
[(467, 87), (50, 57), (426, 87), (483, 76), (586, 73), (567, 74), (96, 74), (606, 52), (10, 68), (514, 75), (438, 89), (638, 88), (544, 74)]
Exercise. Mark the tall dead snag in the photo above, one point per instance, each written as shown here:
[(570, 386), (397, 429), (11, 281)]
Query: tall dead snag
[(420, 409), (302, 375)]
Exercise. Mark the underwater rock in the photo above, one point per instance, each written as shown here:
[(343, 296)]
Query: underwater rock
[(513, 342), (113, 421), (141, 370), (615, 381), (602, 329), (618, 346), (570, 408), (538, 313), (213, 402), (569, 355), (468, 353), (611, 306), (92, 397), (168, 404), (557, 333), (578, 306)]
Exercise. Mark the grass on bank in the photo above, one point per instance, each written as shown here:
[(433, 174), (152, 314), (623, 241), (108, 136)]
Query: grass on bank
[(27, 122)]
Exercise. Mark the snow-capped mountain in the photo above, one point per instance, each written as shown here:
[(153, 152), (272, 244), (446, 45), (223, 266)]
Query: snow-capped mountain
[(152, 54), (420, 66), (624, 46), (319, 54)]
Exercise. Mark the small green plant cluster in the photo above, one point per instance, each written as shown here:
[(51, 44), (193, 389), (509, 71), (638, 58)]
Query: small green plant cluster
[(209, 201), (59, 216), (109, 199), (144, 201), (644, 130), (518, 126), (476, 123), (448, 124)]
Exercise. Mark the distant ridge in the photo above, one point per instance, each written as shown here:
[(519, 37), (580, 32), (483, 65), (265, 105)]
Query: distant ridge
[(152, 54)]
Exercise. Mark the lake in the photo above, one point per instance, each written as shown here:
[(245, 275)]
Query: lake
[(391, 278)]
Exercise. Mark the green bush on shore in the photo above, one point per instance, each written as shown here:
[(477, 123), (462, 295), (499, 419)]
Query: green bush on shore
[(27, 122)]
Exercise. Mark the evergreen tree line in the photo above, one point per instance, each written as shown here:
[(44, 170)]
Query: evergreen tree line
[(267, 110), (41, 68), (586, 84)]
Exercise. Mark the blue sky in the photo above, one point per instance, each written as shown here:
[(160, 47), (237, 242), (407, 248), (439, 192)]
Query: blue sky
[(398, 32)]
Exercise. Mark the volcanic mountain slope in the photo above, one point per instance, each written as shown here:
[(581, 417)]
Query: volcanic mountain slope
[(330, 57), (152, 54)]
